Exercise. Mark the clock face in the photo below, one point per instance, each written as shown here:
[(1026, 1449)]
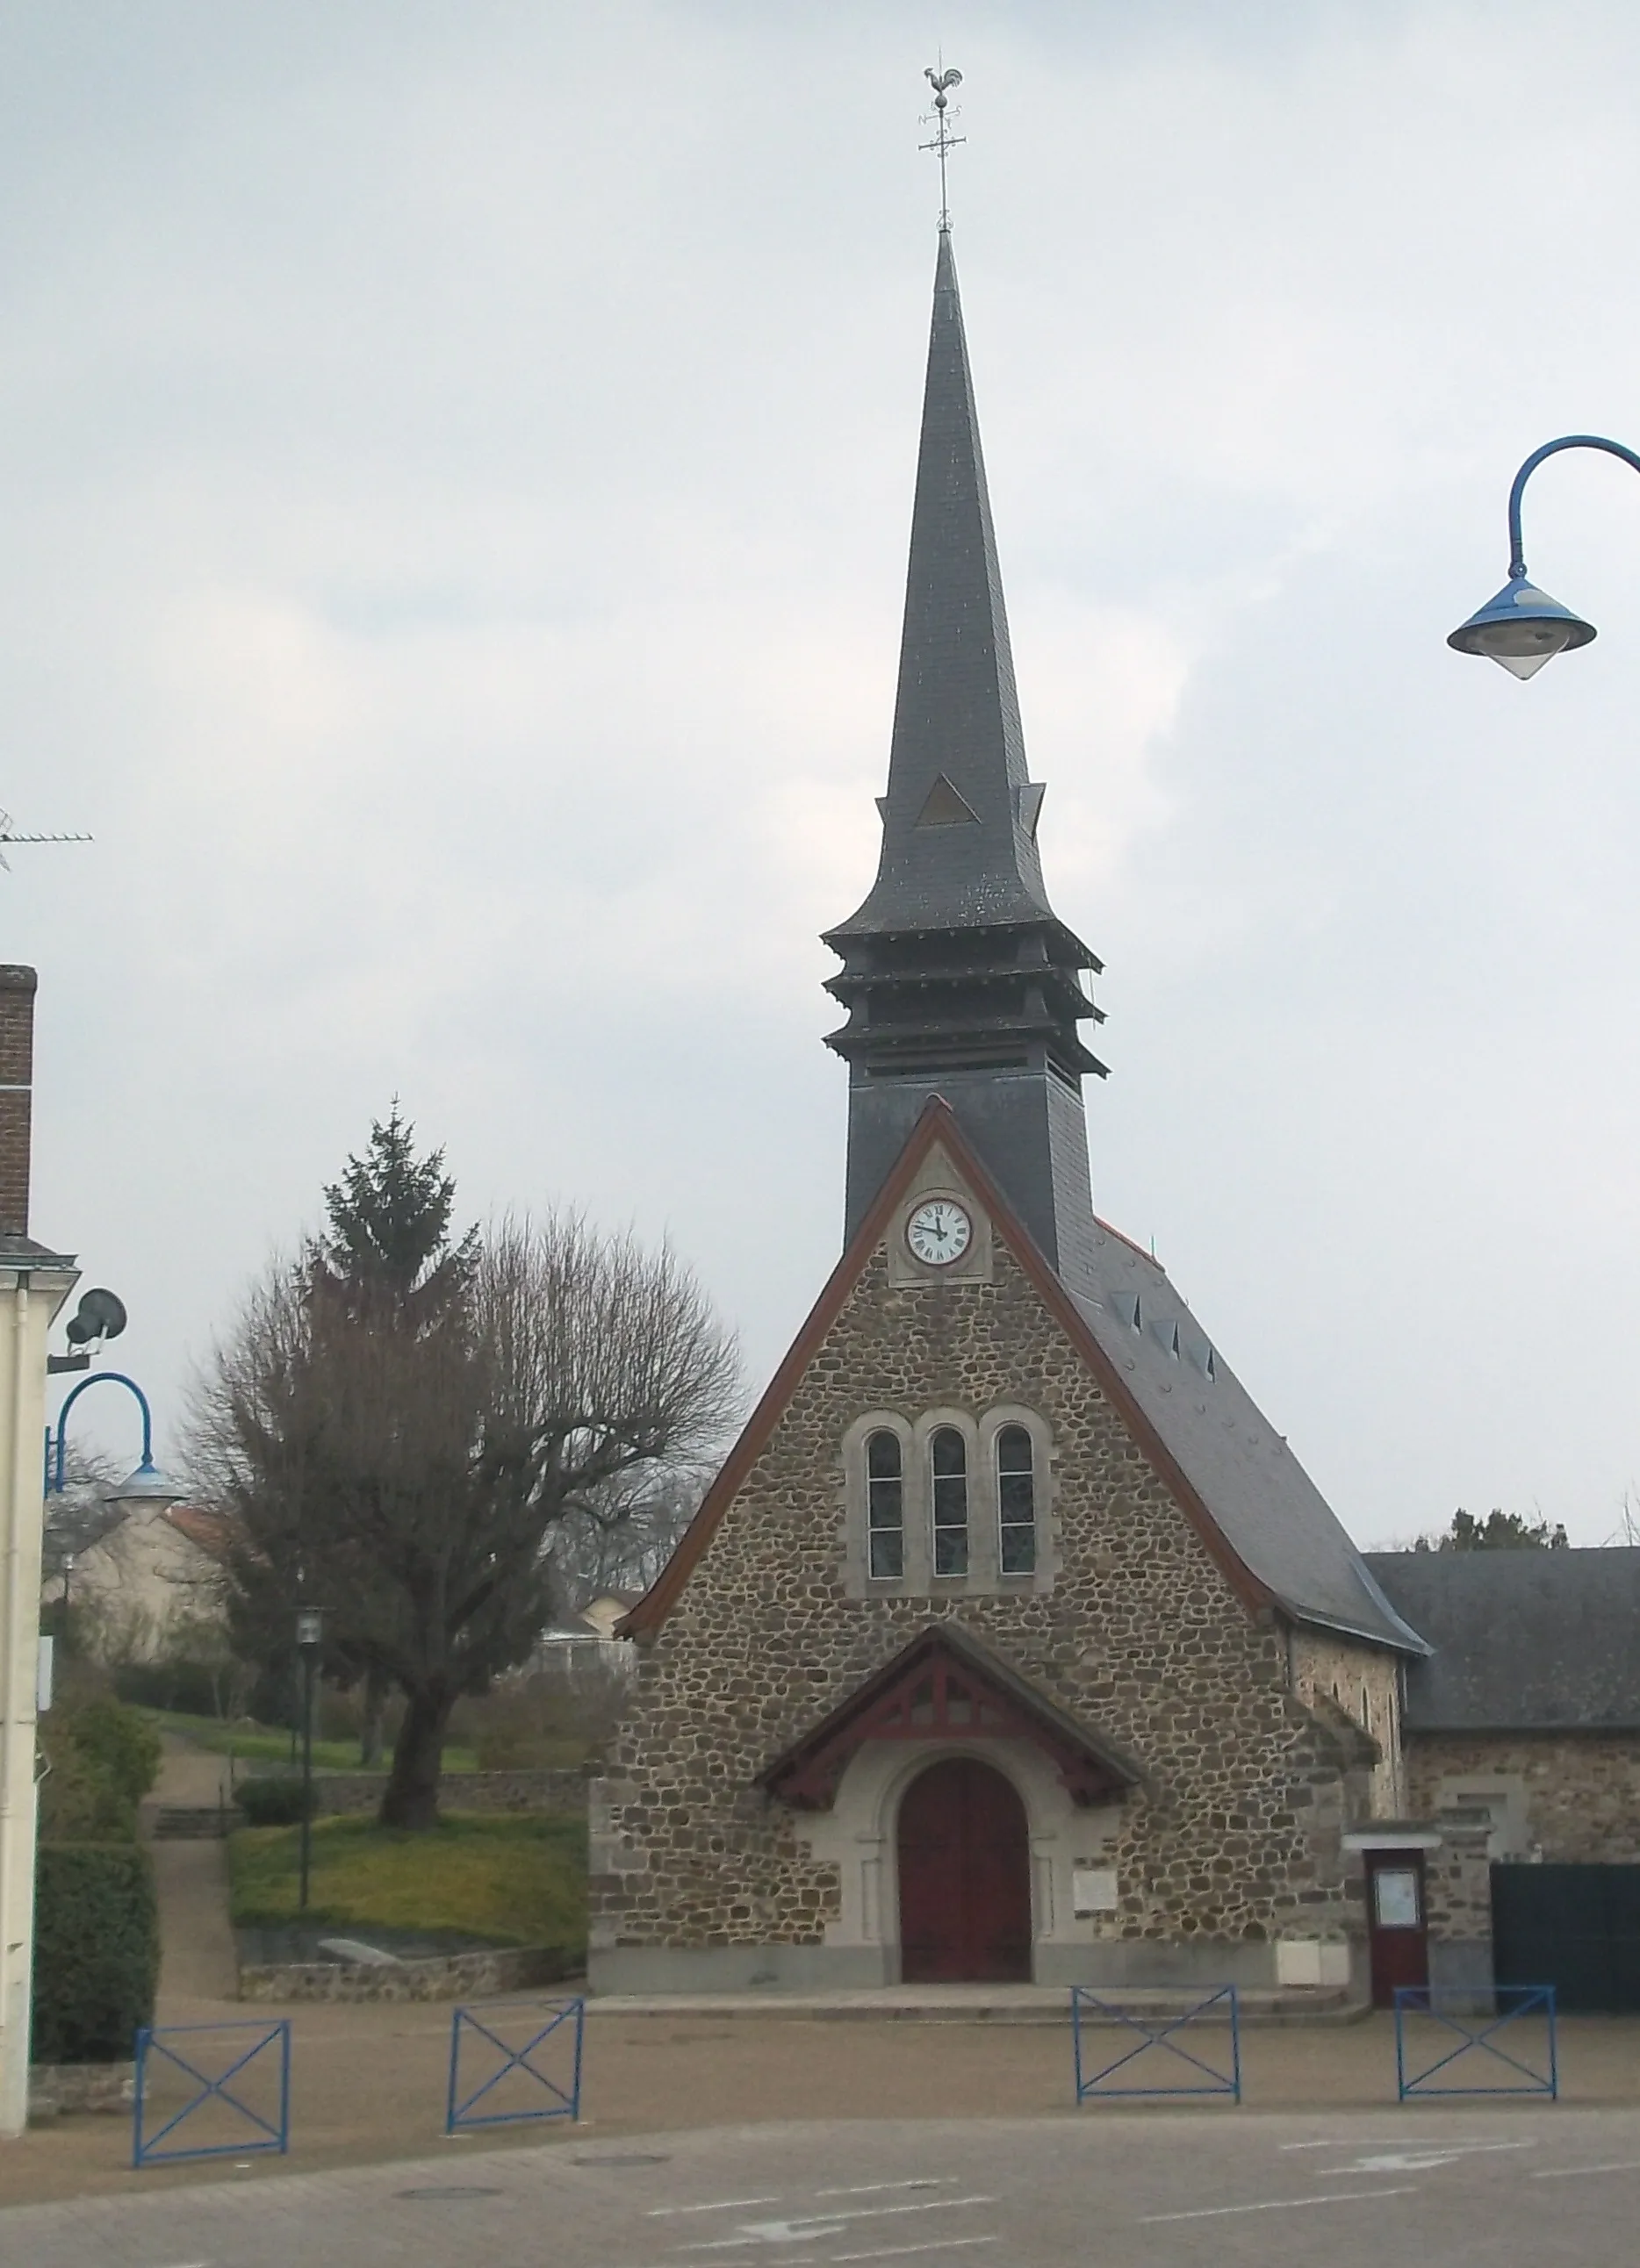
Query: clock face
[(938, 1232)]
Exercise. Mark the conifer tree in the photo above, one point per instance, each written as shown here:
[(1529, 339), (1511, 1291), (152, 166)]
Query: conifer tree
[(389, 1217), (399, 1426)]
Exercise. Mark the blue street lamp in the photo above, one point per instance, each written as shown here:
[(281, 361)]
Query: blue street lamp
[(146, 1486), (1522, 628)]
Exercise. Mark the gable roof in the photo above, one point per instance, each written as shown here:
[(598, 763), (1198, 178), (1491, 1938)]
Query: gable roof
[(1524, 1641), (210, 1532), (1260, 1515), (946, 1681)]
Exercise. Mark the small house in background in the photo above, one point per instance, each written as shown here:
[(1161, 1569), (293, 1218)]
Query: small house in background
[(583, 1645), (605, 1608), (150, 1585)]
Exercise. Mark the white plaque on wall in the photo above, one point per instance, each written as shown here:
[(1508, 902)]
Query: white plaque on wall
[(1093, 1891)]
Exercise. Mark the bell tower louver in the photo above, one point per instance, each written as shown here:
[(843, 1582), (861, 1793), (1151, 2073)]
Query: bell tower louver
[(959, 978)]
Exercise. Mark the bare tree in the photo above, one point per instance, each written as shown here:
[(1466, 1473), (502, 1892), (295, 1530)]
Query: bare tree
[(410, 1478), (624, 1537)]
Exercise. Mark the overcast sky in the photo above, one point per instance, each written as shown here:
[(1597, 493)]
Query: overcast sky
[(457, 463)]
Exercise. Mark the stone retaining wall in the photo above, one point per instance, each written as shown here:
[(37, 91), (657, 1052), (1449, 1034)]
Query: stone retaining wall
[(458, 1976), (355, 1793), (58, 2089)]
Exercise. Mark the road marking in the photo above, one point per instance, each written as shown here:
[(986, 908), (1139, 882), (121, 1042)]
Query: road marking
[(719, 2204), (902, 2251), (1417, 2161), (1281, 2204), (868, 2189), (1570, 2173), (812, 2226)]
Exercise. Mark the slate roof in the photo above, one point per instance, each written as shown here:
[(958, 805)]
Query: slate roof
[(1524, 1641), (957, 711), (1272, 1513)]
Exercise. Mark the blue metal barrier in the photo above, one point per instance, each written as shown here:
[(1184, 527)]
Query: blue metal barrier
[(479, 2040), (1158, 2036), (243, 2130), (1470, 2020)]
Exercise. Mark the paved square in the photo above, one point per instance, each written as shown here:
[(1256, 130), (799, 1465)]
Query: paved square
[(1512, 2187)]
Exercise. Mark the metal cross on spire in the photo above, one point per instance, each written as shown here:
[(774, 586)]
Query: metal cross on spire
[(944, 140)]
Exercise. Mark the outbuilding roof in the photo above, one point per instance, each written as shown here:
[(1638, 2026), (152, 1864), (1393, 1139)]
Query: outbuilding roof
[(1523, 1641)]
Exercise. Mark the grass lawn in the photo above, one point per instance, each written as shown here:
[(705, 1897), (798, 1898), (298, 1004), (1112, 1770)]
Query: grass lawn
[(510, 1879), (272, 1744)]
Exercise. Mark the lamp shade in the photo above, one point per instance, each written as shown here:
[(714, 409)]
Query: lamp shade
[(145, 1489), (1521, 629)]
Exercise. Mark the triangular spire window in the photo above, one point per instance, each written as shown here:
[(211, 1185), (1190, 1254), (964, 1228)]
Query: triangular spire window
[(943, 806)]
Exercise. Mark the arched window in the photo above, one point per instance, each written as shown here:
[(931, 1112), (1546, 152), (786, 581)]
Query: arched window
[(885, 1504), (1016, 1502), (948, 1455)]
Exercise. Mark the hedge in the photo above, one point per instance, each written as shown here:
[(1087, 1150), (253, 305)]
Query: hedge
[(275, 1802), (96, 1951), (119, 1742)]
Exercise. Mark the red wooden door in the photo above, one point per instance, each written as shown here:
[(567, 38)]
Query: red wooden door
[(964, 1877), (1397, 1934)]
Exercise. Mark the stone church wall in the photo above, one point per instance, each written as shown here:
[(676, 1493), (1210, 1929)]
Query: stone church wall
[(1568, 1798), (1234, 1839), (1365, 1683)]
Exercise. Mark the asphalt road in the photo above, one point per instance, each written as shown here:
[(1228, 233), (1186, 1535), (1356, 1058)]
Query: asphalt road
[(1513, 2186)]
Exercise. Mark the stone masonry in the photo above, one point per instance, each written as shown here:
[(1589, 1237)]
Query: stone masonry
[(1568, 1798), (1365, 1683), (1234, 1838)]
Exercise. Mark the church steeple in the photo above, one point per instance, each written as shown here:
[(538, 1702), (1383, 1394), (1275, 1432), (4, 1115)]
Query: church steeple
[(958, 977)]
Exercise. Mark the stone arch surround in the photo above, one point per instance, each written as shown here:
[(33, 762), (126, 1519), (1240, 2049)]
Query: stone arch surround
[(857, 1836)]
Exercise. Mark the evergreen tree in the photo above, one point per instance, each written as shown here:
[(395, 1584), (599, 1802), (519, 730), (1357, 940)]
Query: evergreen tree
[(389, 1240), (1499, 1531)]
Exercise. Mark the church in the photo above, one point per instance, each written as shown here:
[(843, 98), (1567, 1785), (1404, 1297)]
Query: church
[(1011, 1642)]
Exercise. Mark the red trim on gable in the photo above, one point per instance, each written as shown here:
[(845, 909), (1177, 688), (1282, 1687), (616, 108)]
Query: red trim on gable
[(936, 1122), (942, 1687)]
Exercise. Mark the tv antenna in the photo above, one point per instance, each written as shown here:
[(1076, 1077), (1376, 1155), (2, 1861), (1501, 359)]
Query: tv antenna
[(8, 836)]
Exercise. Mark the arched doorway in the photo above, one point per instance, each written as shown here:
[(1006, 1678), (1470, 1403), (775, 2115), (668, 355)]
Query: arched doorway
[(964, 1877)]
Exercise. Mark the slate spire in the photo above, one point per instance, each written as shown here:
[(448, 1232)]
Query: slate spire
[(958, 977)]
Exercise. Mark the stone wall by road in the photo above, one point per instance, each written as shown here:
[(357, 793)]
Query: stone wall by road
[(457, 1976), (1571, 1797), (1235, 1838), (353, 1793)]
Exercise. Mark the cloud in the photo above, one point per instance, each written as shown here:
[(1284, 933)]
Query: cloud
[(459, 464)]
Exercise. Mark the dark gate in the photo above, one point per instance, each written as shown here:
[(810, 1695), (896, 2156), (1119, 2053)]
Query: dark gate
[(1577, 1928), (964, 1877)]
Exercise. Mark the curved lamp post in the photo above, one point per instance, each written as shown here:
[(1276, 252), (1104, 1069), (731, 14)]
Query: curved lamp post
[(1522, 628), (147, 1484)]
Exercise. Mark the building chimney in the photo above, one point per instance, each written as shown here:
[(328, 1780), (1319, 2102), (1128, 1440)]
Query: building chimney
[(17, 1084)]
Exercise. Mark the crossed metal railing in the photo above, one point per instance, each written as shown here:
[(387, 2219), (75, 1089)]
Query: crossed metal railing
[(1193, 2068), (1470, 2022), (535, 2093), (244, 2129)]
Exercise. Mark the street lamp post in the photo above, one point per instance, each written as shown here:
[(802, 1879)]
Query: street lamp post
[(145, 1485), (309, 1637), (1522, 626)]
